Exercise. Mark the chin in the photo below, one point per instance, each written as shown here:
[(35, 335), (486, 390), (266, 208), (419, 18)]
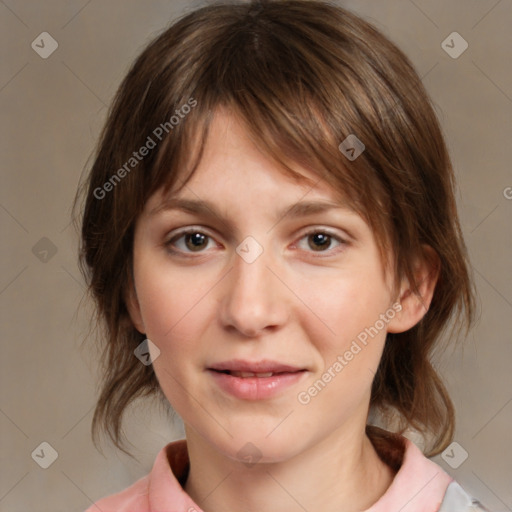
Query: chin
[(255, 446)]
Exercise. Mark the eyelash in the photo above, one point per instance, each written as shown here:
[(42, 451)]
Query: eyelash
[(193, 230)]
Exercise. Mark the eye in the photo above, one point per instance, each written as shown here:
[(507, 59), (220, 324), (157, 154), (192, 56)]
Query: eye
[(192, 240), (320, 241)]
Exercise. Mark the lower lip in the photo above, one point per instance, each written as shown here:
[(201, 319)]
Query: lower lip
[(256, 388)]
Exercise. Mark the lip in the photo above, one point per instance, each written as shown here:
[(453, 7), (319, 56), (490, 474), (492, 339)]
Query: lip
[(255, 388), (263, 366)]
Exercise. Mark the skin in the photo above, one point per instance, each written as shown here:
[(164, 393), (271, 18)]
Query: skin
[(301, 302)]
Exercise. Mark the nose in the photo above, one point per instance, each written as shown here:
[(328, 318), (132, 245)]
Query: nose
[(254, 299)]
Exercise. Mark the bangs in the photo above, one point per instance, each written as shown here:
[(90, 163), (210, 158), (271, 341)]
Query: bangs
[(292, 109), (280, 142)]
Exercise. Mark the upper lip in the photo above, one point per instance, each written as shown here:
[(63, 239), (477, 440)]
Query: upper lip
[(264, 366)]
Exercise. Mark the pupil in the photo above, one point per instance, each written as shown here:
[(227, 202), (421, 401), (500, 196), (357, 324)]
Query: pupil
[(322, 239), (195, 237)]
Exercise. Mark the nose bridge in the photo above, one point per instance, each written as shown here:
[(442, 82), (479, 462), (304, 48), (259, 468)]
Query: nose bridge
[(253, 300)]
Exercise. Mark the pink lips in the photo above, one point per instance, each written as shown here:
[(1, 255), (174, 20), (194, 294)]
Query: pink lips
[(263, 366), (257, 380)]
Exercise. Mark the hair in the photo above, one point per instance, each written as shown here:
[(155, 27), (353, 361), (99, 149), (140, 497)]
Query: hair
[(302, 75)]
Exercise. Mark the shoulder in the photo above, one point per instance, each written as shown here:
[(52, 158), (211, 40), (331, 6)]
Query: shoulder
[(419, 485), (135, 497), (456, 499)]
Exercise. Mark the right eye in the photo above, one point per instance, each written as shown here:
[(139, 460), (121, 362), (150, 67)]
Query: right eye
[(191, 240)]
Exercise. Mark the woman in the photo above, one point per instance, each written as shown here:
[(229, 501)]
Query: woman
[(271, 237)]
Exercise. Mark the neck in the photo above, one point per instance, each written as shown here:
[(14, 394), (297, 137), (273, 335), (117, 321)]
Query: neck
[(340, 473)]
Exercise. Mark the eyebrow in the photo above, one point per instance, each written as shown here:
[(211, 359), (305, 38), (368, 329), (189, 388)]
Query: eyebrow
[(208, 209)]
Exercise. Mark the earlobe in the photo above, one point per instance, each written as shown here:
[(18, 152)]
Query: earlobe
[(414, 305), (133, 306)]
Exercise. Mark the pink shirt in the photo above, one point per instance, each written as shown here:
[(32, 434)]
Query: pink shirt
[(419, 485)]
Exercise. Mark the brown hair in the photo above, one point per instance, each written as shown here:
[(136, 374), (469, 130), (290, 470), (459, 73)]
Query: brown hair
[(302, 75)]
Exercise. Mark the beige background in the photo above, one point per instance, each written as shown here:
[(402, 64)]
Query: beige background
[(52, 111)]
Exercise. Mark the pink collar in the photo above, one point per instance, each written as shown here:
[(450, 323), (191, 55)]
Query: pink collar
[(418, 486)]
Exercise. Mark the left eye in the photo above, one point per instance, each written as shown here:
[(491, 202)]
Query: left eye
[(195, 241), (320, 241)]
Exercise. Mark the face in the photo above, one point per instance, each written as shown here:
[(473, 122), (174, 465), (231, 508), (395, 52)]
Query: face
[(259, 316)]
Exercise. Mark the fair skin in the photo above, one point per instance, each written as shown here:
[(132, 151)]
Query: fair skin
[(301, 302)]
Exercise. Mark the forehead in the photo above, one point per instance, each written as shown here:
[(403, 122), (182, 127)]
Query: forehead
[(234, 164)]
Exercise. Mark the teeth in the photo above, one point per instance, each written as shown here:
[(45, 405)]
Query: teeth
[(250, 374)]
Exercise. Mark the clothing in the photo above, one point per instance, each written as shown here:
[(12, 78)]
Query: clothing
[(419, 484), (457, 499)]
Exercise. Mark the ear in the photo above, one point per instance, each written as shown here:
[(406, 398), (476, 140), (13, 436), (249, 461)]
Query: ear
[(133, 306), (414, 306)]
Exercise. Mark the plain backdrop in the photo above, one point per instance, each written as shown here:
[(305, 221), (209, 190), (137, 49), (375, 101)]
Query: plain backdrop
[(52, 111)]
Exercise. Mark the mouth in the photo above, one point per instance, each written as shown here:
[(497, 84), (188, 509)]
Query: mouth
[(259, 375), (260, 369), (255, 380)]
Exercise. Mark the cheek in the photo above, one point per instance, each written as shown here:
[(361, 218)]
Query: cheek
[(348, 347), (341, 308), (168, 298), (171, 307)]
